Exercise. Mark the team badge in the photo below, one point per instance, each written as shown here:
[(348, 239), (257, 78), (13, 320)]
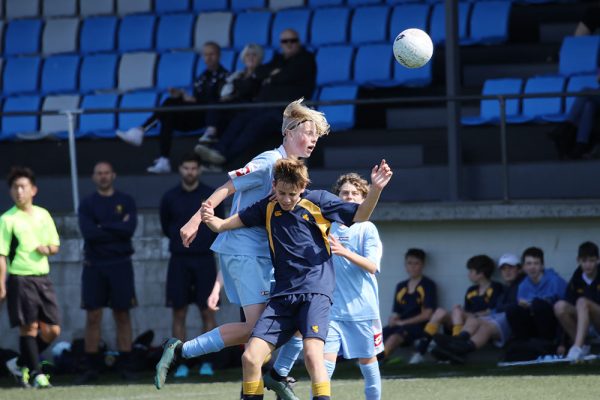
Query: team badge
[(305, 217), (119, 208), (277, 213), (315, 328)]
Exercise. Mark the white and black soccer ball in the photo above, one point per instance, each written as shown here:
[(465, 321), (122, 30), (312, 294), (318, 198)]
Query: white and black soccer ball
[(413, 48)]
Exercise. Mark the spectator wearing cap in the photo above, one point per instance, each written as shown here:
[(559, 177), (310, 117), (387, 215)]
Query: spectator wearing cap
[(290, 75)]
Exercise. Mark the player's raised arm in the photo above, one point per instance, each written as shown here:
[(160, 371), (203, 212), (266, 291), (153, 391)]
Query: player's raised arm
[(217, 224), (190, 229), (380, 176)]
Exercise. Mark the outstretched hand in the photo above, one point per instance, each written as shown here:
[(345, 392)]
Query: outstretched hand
[(207, 211), (381, 175)]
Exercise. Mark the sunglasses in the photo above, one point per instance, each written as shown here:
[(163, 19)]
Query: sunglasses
[(286, 41)]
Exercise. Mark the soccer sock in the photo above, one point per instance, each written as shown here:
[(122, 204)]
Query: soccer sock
[(321, 391), (431, 328), (372, 380), (288, 354), (253, 390), (210, 342), (29, 353), (456, 329), (41, 344), (330, 367)]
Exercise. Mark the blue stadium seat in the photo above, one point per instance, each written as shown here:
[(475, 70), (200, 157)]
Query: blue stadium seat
[(98, 72), (211, 5), (321, 3), (99, 125), (12, 125), (535, 109), (362, 2), (21, 75), (490, 109), (23, 37), (413, 76), (174, 32), (437, 29), (56, 124), (489, 22), (227, 61), (61, 35), (402, 1), (59, 8), (330, 26), (243, 5), (214, 27), (267, 56), (170, 6), (175, 70), (125, 7), (252, 27), (577, 83), (579, 55), (98, 34), (409, 16), (96, 7), (340, 117), (60, 74), (296, 19), (338, 71), (136, 71), (136, 32), (373, 65), (277, 5), (22, 9), (135, 100), (369, 25)]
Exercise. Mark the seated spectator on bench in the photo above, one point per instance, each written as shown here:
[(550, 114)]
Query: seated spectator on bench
[(207, 88), (290, 75), (480, 300), (478, 331), (414, 302), (581, 308), (240, 87)]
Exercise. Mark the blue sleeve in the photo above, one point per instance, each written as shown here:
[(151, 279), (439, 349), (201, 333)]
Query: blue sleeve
[(252, 174), (124, 229), (430, 296), (336, 210), (256, 214), (165, 214), (372, 247), (88, 227)]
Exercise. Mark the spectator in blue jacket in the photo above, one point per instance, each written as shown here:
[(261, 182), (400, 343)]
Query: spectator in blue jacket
[(107, 220), (533, 316)]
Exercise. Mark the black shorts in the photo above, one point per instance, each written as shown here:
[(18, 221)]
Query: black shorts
[(190, 279), (410, 332), (30, 299), (109, 284)]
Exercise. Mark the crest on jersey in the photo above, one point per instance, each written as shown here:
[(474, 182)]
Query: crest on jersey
[(277, 213), (305, 217), (119, 208), (315, 328)]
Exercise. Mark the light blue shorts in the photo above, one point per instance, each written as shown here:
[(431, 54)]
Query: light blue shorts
[(501, 323), (247, 279), (354, 339)]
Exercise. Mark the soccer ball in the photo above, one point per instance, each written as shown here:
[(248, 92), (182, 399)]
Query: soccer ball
[(413, 48)]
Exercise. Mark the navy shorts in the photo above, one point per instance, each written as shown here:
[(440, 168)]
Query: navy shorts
[(190, 279), (410, 332), (31, 299), (284, 315), (108, 284)]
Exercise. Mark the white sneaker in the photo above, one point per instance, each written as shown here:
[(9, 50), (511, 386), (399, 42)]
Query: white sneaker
[(211, 155), (134, 136), (160, 166), (416, 358), (209, 136), (575, 353), (13, 368)]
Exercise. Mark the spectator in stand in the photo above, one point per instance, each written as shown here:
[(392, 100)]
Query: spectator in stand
[(414, 302), (207, 89), (27, 237), (290, 75), (107, 221), (192, 270), (581, 307), (477, 332)]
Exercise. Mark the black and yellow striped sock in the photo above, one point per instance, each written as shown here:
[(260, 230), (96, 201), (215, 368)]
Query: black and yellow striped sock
[(253, 390), (321, 391)]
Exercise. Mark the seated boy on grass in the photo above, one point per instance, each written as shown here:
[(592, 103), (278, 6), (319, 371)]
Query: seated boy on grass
[(297, 224)]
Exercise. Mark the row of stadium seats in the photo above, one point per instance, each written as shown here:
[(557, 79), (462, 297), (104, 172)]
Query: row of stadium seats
[(103, 125), (518, 111), (482, 22), (66, 8)]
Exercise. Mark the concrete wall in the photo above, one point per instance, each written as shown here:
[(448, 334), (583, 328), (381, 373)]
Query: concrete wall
[(450, 234)]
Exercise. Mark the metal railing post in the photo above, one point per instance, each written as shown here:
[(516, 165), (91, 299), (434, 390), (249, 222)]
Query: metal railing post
[(504, 149), (73, 157)]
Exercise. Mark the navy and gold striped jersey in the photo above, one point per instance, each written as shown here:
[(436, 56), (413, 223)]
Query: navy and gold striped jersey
[(475, 302), (408, 305), (579, 288), (298, 240)]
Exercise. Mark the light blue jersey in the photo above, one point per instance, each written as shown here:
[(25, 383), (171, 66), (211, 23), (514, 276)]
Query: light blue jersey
[(356, 295), (253, 182)]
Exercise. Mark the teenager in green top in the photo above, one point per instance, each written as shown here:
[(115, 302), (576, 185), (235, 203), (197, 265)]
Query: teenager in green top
[(27, 237)]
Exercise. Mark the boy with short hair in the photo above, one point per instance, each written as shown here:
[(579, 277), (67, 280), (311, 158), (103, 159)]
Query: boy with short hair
[(581, 306), (533, 316), (27, 237), (480, 299), (414, 302), (298, 223)]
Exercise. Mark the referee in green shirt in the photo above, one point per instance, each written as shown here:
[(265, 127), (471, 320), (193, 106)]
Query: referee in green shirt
[(27, 237)]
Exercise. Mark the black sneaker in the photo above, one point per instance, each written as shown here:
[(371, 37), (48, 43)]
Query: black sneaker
[(444, 354)]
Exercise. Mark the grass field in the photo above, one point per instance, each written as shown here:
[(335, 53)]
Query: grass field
[(428, 382)]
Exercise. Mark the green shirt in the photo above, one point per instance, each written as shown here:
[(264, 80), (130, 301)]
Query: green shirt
[(20, 234)]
